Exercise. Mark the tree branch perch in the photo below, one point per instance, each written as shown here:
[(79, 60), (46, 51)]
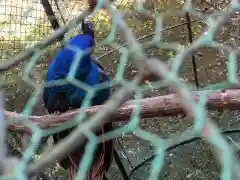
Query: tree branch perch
[(160, 106)]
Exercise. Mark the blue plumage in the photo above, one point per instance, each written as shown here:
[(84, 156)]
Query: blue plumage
[(61, 64), (62, 98), (87, 72)]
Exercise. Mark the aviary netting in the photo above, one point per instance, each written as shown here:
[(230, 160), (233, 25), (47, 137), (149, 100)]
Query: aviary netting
[(151, 71)]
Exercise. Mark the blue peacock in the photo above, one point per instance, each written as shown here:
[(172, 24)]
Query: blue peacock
[(65, 97)]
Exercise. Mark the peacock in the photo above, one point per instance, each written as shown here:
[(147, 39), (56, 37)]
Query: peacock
[(62, 98)]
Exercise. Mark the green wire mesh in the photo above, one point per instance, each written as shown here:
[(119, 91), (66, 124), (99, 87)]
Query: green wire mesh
[(203, 124)]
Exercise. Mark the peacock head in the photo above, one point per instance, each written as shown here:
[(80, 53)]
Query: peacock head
[(88, 28)]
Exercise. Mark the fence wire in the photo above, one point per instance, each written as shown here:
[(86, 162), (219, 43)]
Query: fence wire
[(169, 73)]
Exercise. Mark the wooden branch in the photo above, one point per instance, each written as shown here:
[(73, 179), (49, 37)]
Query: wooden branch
[(160, 106)]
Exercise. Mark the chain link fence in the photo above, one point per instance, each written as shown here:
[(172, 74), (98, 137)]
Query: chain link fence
[(134, 38)]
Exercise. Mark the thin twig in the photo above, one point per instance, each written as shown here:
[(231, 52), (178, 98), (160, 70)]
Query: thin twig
[(234, 143), (190, 37), (60, 12)]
